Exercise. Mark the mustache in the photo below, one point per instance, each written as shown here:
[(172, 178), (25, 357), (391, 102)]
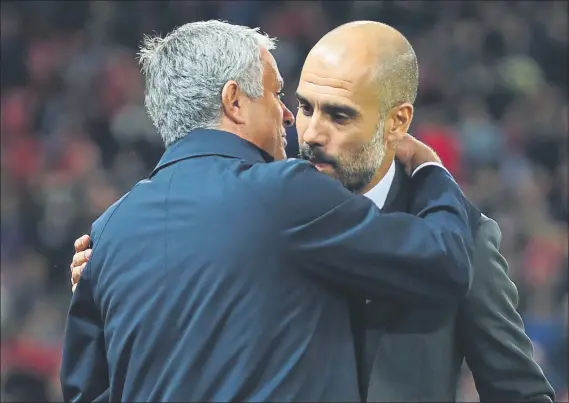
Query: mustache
[(316, 155)]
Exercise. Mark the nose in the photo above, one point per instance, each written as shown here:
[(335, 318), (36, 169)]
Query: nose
[(313, 135), (288, 117)]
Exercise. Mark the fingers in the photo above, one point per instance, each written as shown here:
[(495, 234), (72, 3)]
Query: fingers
[(405, 149), (76, 273), (397, 137), (408, 148), (82, 243), (81, 257)]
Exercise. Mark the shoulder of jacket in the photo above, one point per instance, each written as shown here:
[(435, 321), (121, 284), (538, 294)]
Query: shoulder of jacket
[(485, 220), (487, 227), (100, 222), (284, 169)]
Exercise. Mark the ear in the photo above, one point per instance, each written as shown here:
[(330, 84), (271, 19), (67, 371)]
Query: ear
[(233, 100), (398, 122)]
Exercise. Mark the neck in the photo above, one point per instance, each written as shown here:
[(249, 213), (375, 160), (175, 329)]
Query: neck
[(231, 127), (380, 173)]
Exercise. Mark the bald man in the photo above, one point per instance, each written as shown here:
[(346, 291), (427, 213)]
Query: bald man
[(356, 95), (356, 91)]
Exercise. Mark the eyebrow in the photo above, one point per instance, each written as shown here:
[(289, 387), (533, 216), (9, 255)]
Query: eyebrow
[(332, 108)]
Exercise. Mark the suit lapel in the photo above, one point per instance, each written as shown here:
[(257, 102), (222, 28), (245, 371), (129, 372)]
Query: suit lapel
[(381, 313), (366, 341), (398, 197), (397, 371)]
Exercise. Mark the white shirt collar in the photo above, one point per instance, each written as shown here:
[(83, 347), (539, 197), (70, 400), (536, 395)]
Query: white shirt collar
[(378, 193)]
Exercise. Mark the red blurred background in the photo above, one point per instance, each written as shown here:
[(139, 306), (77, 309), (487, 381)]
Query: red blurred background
[(75, 136)]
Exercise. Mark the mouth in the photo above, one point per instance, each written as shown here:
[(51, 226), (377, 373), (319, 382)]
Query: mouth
[(284, 140)]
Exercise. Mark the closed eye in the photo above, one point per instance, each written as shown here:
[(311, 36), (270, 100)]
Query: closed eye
[(305, 108), (338, 113), (340, 119)]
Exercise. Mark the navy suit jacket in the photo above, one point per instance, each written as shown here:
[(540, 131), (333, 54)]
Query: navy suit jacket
[(223, 277)]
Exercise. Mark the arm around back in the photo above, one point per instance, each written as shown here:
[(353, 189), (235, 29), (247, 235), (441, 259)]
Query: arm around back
[(345, 239)]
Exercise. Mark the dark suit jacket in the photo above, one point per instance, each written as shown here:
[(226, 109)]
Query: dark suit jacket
[(486, 330), (225, 278)]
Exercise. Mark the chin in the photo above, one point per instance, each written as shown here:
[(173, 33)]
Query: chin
[(280, 154)]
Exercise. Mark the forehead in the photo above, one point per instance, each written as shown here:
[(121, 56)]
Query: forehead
[(341, 79)]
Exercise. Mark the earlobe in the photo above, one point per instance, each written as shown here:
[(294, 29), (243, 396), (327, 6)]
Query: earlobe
[(231, 101), (400, 122), (229, 95), (397, 123), (405, 115)]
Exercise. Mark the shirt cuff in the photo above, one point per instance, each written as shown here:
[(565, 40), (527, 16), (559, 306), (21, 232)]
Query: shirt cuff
[(426, 164)]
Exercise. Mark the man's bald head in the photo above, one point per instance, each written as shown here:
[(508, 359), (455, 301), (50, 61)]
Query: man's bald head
[(370, 44), (355, 97)]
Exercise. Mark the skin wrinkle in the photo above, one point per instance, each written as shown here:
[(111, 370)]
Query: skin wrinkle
[(326, 79), (331, 89)]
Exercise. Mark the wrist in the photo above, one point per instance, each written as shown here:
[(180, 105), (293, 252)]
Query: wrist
[(426, 159)]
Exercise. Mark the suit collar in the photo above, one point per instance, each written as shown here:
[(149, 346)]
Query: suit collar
[(378, 193), (399, 192), (391, 193), (202, 142)]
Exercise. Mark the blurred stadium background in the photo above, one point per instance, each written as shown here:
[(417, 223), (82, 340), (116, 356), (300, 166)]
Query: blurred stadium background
[(75, 135)]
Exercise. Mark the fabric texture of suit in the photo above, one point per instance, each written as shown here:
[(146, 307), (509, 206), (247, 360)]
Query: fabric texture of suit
[(223, 277), (486, 331)]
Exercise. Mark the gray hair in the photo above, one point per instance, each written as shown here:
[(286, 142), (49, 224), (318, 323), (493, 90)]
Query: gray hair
[(185, 73)]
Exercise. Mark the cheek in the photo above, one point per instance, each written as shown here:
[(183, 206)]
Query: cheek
[(342, 137), (301, 123), (274, 112)]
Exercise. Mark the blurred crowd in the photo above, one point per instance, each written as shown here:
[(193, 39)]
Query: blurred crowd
[(75, 136)]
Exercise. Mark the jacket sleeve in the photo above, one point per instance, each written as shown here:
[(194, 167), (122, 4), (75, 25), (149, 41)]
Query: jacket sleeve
[(346, 240), (84, 374), (491, 332)]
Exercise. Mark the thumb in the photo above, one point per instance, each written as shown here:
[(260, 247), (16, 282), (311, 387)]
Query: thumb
[(405, 150), (405, 143)]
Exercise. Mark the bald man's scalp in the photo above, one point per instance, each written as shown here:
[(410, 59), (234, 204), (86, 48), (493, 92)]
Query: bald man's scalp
[(397, 74), (398, 77)]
